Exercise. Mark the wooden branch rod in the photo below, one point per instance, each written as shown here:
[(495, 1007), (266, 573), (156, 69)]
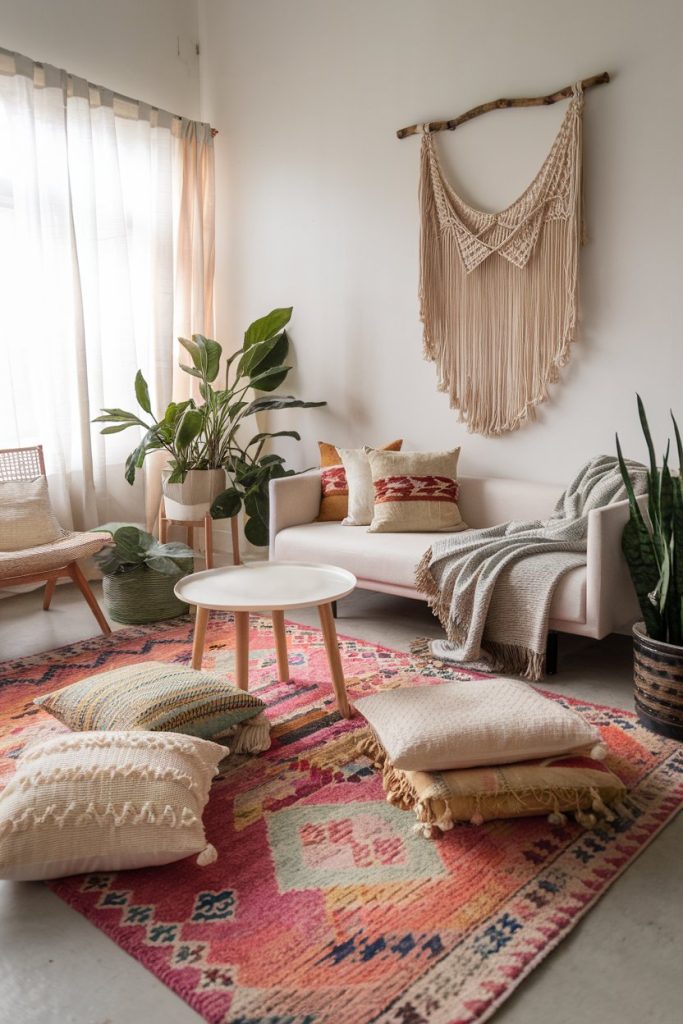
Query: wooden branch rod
[(484, 108)]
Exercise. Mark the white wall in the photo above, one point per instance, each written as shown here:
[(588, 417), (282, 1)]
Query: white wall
[(130, 46), (317, 201)]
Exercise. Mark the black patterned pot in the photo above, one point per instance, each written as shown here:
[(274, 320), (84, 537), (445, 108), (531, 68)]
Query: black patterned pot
[(658, 678)]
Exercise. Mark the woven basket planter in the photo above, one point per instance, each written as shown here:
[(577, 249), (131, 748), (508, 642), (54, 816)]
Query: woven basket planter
[(142, 595), (658, 678)]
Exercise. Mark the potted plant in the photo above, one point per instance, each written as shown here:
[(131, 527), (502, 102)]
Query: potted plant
[(139, 574), (654, 552), (206, 438)]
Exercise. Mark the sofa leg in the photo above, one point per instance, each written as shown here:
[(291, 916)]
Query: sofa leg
[(335, 612), (551, 653)]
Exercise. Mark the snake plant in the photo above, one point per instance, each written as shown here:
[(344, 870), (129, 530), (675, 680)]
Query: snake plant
[(654, 547)]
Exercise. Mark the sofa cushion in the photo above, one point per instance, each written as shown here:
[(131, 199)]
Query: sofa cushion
[(334, 499), (391, 559), (415, 491)]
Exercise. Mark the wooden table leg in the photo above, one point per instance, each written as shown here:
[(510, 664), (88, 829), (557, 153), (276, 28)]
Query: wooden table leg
[(242, 650), (208, 540), (200, 624), (281, 645), (332, 648)]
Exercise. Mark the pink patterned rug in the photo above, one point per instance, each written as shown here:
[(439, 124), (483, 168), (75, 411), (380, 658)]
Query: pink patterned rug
[(323, 907)]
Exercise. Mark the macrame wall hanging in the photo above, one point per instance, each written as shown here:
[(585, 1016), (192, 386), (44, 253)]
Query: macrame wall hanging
[(498, 292)]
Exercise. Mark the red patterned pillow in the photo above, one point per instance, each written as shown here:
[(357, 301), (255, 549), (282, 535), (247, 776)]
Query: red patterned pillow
[(415, 492)]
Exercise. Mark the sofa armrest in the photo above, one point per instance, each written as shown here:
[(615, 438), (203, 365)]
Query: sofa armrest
[(294, 500), (611, 601)]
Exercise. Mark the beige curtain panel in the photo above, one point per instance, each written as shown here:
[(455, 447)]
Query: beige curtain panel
[(107, 222)]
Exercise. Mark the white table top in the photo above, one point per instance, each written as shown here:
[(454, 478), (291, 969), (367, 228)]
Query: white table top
[(264, 586)]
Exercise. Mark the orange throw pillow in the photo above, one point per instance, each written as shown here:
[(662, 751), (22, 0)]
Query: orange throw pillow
[(334, 502)]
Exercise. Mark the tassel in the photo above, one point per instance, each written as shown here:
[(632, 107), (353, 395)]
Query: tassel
[(477, 818), (599, 752), (253, 736), (208, 855), (557, 818)]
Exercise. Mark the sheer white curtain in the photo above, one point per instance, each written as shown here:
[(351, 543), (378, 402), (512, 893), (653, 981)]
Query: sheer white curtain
[(106, 256)]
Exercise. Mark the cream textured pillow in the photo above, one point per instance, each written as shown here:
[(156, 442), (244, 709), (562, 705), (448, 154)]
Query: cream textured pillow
[(415, 492), (478, 722), (26, 516), (94, 801), (359, 481)]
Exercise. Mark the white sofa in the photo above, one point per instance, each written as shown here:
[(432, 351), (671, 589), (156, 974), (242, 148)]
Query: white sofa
[(593, 600)]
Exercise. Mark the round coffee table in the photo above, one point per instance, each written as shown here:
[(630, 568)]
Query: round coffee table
[(273, 587)]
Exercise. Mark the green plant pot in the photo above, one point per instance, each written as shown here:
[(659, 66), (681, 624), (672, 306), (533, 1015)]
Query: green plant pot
[(658, 679), (142, 595)]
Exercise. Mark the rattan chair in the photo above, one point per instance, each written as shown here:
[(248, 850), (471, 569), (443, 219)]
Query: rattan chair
[(47, 562)]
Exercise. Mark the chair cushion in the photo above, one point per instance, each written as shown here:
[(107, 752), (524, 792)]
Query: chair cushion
[(469, 724), (26, 516), (158, 697), (93, 801), (392, 558), (69, 548), (415, 491)]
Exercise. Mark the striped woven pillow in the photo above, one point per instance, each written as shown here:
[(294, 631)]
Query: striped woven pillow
[(334, 500), (163, 698)]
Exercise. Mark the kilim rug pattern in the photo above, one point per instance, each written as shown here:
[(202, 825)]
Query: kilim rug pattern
[(323, 906)]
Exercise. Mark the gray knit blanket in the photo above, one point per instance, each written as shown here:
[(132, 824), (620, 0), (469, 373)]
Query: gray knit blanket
[(491, 589)]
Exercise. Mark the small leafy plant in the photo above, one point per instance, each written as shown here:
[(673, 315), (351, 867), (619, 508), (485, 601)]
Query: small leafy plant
[(134, 548), (208, 435), (654, 550)]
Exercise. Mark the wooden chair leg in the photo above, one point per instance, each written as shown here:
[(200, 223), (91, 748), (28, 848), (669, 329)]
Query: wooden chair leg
[(332, 648), (190, 537), (84, 587), (49, 591), (208, 540), (281, 645), (235, 533)]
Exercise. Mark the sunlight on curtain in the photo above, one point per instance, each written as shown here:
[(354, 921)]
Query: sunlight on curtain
[(106, 243)]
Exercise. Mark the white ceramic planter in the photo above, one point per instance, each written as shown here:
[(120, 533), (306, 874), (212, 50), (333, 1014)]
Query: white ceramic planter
[(192, 499)]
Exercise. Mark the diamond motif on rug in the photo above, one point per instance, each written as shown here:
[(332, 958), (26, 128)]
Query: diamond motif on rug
[(330, 845)]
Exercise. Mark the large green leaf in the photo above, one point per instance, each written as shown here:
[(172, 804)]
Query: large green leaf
[(227, 504), (189, 427), (266, 326), (209, 356), (642, 563), (264, 355), (256, 532), (119, 416), (137, 456), (266, 434), (117, 429), (127, 541), (270, 379), (142, 392), (279, 402)]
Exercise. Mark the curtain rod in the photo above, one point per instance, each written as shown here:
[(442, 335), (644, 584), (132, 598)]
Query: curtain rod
[(502, 104), (117, 95)]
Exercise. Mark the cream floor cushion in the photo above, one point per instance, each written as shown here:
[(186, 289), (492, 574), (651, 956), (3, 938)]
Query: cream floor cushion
[(469, 724), (106, 801), (391, 558)]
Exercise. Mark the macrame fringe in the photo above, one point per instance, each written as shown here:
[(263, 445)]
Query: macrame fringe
[(499, 293)]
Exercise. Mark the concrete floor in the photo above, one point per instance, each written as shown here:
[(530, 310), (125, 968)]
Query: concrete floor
[(621, 964)]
